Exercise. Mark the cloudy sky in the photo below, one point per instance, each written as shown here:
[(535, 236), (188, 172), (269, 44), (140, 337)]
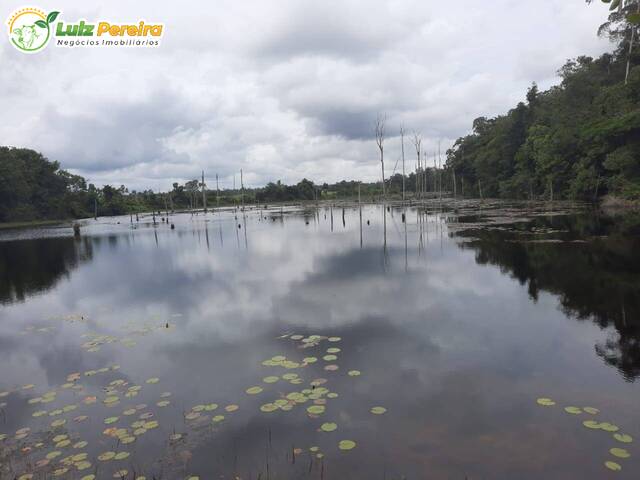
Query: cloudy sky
[(283, 89)]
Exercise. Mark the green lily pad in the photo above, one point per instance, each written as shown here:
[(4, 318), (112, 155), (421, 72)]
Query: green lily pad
[(253, 390), (271, 379), (121, 455), (316, 409), (573, 410), (354, 373), (330, 358), (591, 424), (152, 381), (106, 456), (545, 402), (110, 420), (619, 452), (378, 410), (613, 466), (609, 427), (310, 360), (334, 339), (623, 438), (218, 418), (163, 403), (591, 410), (346, 445), (333, 350), (268, 408), (328, 427)]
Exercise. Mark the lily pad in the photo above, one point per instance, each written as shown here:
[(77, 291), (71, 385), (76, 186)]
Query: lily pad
[(152, 381), (623, 438), (573, 410), (591, 424), (346, 445), (354, 373), (591, 410), (268, 408), (334, 339), (121, 455), (616, 467), (218, 418), (253, 390), (271, 379), (378, 410), (110, 420), (609, 427), (328, 427), (619, 452), (231, 408), (316, 409), (106, 456), (545, 402)]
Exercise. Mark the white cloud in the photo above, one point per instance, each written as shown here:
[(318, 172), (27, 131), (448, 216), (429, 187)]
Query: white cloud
[(282, 89)]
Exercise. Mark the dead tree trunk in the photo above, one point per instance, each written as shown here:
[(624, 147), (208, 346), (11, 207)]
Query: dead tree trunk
[(380, 134)]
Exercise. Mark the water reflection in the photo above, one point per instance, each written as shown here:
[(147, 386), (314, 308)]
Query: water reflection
[(456, 349)]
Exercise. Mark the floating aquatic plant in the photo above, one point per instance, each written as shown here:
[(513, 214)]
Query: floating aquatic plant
[(573, 410), (328, 427), (619, 452), (346, 445), (613, 466), (623, 438), (378, 410)]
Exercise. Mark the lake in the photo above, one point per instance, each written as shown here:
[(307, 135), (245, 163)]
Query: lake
[(485, 341)]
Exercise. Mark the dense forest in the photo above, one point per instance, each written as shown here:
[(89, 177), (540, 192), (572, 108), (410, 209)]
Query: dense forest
[(578, 140), (34, 188)]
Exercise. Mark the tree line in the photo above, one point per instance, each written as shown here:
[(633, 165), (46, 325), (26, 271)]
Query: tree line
[(577, 140)]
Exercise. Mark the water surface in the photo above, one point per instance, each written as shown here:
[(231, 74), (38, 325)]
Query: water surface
[(458, 322)]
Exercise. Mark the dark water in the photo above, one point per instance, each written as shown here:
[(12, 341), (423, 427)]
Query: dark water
[(458, 323)]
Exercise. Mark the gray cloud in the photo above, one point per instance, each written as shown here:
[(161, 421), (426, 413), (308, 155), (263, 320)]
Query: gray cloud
[(283, 90)]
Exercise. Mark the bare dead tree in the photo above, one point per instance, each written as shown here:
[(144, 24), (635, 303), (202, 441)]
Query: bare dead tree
[(204, 193), (403, 174), (380, 136), (417, 143)]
